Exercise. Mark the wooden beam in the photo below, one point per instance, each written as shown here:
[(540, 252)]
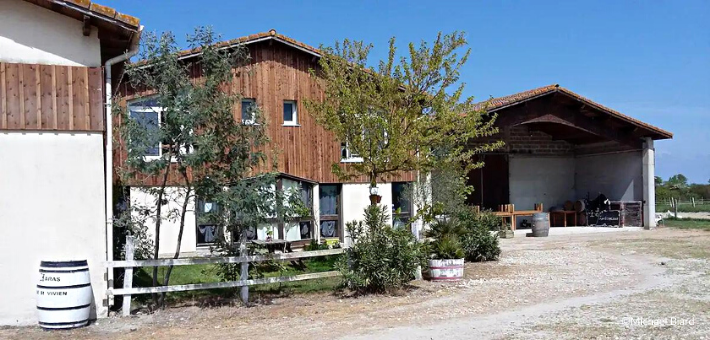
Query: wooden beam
[(3, 98), (231, 259), (214, 285), (549, 110), (86, 26)]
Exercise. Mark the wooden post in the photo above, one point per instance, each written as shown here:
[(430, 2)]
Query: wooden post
[(675, 207), (244, 274), (692, 199), (128, 276)]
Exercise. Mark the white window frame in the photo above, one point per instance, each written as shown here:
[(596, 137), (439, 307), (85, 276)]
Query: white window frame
[(149, 109), (159, 110), (251, 120), (349, 156), (294, 114)]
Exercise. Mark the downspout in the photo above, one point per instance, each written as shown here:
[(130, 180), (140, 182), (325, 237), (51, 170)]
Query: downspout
[(108, 152)]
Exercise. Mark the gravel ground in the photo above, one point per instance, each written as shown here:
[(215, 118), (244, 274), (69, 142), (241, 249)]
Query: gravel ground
[(609, 285)]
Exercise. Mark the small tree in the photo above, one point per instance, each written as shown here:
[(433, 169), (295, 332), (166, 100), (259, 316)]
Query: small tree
[(204, 149), (403, 115)]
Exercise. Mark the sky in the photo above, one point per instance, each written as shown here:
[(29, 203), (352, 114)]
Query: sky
[(647, 59)]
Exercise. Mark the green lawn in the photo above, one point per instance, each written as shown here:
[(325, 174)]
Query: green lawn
[(684, 208), (687, 223), (209, 273)]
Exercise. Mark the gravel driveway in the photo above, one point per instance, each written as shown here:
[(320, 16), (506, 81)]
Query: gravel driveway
[(644, 284)]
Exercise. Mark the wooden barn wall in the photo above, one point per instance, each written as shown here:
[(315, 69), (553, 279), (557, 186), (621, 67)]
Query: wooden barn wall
[(279, 73), (49, 97)]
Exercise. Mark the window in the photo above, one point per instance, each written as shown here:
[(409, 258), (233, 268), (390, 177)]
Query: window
[(329, 210), (301, 227), (206, 229), (347, 156), (147, 114), (248, 111), (290, 113), (401, 204)]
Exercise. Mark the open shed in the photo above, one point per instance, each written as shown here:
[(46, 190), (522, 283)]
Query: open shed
[(560, 147)]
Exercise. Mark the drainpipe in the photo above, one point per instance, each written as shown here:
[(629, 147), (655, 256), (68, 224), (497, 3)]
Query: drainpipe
[(108, 152)]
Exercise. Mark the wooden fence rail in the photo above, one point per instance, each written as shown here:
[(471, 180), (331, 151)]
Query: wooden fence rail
[(244, 282)]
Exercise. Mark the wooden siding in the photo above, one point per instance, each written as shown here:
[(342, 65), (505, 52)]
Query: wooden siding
[(49, 97), (278, 73)]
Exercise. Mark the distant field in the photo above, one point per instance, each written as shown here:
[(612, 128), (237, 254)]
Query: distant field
[(685, 207), (687, 223)]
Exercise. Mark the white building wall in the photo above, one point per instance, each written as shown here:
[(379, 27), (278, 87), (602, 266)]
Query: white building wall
[(618, 176), (31, 34), (51, 208), (356, 197), (536, 179), (170, 225)]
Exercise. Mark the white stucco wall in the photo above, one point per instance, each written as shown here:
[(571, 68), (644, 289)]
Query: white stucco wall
[(31, 34), (356, 197), (619, 176), (51, 208), (546, 180), (170, 225)]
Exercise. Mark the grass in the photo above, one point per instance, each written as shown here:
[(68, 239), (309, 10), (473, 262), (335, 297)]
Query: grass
[(210, 273), (685, 207), (687, 223)]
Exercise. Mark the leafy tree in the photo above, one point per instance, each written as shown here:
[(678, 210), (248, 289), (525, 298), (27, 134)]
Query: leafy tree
[(205, 151), (679, 181), (405, 115)]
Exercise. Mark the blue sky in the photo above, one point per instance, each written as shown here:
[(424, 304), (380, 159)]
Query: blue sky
[(647, 59)]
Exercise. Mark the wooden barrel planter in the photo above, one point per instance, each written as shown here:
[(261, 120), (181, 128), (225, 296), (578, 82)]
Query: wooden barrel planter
[(446, 270), (63, 294), (541, 225)]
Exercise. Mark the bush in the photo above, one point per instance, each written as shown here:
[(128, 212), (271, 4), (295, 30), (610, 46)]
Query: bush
[(445, 240), (382, 258), (479, 244)]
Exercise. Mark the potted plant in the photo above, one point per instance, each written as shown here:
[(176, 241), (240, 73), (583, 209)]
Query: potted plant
[(446, 253)]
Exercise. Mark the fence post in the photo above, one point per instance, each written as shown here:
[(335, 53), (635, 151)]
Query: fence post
[(128, 276), (244, 274), (675, 207)]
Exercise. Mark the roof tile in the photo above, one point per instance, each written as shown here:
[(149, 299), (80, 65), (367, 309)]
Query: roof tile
[(105, 10), (82, 3)]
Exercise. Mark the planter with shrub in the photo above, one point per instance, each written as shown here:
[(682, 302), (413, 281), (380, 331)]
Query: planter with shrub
[(446, 252)]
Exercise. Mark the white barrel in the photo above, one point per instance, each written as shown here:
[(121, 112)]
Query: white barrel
[(446, 270), (63, 294)]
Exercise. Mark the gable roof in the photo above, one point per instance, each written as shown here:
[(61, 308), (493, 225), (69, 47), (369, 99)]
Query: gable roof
[(496, 104), (254, 38)]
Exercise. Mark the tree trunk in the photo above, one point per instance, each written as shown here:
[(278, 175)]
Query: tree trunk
[(166, 279), (158, 220)]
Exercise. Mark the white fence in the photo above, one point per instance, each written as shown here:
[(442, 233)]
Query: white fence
[(244, 282)]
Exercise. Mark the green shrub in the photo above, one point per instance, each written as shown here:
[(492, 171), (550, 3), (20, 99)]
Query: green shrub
[(382, 258), (478, 242), (445, 240)]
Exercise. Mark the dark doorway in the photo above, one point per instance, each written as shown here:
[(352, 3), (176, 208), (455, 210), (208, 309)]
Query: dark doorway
[(490, 183)]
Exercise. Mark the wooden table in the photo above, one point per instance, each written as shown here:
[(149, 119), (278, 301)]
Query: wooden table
[(564, 214), (507, 211)]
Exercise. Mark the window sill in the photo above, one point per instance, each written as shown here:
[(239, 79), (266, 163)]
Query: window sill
[(291, 124), (352, 160)]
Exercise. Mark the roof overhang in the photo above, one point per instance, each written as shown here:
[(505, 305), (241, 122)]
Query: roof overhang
[(116, 31), (576, 107)]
